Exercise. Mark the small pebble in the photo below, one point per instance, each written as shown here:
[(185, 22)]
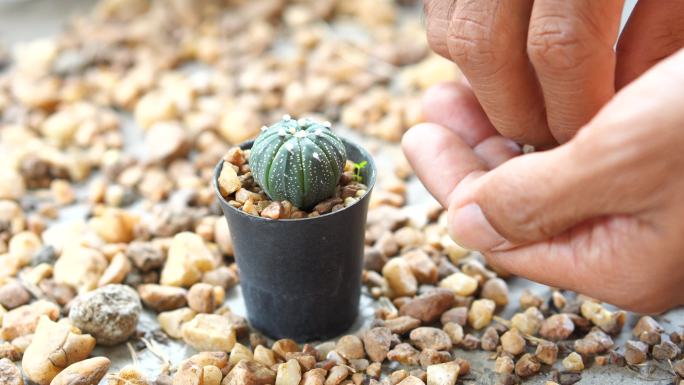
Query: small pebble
[(110, 313)]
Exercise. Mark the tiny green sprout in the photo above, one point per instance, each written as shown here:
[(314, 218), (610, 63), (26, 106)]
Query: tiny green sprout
[(357, 170)]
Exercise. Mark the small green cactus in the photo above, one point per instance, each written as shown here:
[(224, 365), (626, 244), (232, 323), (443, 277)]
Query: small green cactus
[(298, 160)]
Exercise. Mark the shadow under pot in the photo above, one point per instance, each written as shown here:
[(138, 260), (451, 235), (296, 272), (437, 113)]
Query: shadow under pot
[(301, 278)]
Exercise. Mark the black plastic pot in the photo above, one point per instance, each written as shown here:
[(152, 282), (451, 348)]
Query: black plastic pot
[(301, 278)]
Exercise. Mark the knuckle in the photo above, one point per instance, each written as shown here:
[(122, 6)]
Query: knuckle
[(472, 43), (555, 44)]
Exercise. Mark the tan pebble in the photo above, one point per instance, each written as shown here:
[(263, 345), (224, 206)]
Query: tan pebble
[(454, 331), (13, 295), (117, 270), (397, 376), (573, 362), (423, 268), (513, 342), (636, 352), (284, 346), (504, 365), (528, 322), (188, 257), (211, 375), (289, 373), (202, 298), (11, 185), (238, 124), (264, 356), (495, 289), (80, 267), (350, 347), (223, 276), (249, 372), (529, 299), (189, 373), (404, 354), (377, 343), (442, 374), (374, 370), (209, 332), (454, 251), (411, 380), (336, 375), (402, 324), (86, 372), (228, 181), (162, 298), (22, 343), (165, 141), (399, 277), (557, 327), (527, 366), (547, 352), (217, 359), (171, 322), (428, 307), (238, 353), (222, 237), (9, 351), (9, 373), (430, 357), (430, 338), (62, 192), (457, 315), (23, 246), (53, 348), (154, 107), (481, 313), (114, 225), (24, 319), (274, 210), (460, 284)]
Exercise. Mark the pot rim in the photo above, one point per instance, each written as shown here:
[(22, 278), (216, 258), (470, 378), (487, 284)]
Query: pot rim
[(248, 144)]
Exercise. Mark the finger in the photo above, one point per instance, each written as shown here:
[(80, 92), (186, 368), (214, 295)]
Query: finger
[(600, 172), (654, 31), (437, 16), (487, 39), (496, 150), (526, 199), (440, 158), (570, 45), (454, 106)]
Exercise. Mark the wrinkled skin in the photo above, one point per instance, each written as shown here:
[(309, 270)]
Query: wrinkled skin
[(600, 211)]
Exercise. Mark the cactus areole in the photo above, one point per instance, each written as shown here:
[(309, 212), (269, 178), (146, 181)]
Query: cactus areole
[(298, 160)]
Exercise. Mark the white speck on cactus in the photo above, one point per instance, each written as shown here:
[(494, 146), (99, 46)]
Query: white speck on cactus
[(327, 124), (264, 128), (318, 132), (287, 117), (316, 156), (288, 147), (303, 122), (300, 134), (293, 130), (282, 132)]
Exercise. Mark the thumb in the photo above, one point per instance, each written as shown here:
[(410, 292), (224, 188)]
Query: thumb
[(527, 199), (602, 171)]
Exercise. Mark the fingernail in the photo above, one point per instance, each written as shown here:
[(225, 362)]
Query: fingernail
[(470, 229)]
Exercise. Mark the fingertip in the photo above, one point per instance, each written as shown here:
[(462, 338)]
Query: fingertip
[(454, 106)]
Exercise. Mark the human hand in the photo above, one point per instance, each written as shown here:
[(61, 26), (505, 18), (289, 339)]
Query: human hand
[(542, 68), (602, 214)]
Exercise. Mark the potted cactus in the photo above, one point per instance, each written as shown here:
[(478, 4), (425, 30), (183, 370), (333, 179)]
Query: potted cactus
[(296, 201)]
